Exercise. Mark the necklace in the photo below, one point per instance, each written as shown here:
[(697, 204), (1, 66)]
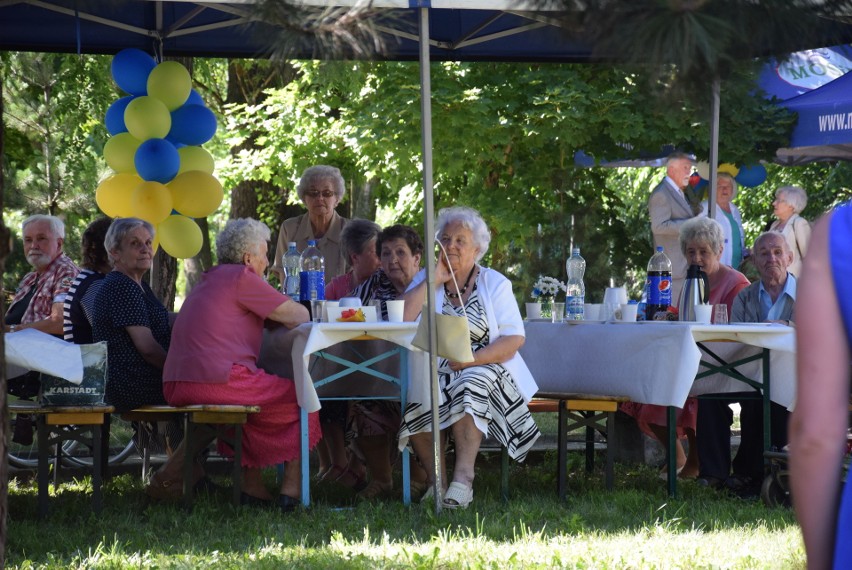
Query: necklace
[(463, 289)]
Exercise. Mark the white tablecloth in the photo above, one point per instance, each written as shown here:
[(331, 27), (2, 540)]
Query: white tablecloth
[(288, 353), (29, 349), (654, 363)]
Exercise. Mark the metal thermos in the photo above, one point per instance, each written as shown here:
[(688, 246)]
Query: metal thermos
[(696, 291)]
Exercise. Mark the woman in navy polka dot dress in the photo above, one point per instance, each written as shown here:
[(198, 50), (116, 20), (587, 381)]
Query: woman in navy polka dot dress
[(131, 319)]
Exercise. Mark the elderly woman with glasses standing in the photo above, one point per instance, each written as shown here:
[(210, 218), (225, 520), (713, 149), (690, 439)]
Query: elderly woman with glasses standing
[(320, 188), (789, 202)]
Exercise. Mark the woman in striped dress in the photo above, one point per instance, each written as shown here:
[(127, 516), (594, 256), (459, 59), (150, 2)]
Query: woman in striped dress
[(487, 397)]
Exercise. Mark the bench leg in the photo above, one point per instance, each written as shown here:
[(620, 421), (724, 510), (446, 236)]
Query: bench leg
[(188, 460), (238, 464), (561, 450), (42, 476), (504, 473), (611, 446), (590, 441), (97, 464)]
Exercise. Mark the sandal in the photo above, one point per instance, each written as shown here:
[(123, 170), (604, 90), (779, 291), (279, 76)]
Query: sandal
[(458, 496), (375, 490), (288, 504), (163, 489)]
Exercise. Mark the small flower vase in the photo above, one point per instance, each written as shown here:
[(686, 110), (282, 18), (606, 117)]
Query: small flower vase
[(546, 306)]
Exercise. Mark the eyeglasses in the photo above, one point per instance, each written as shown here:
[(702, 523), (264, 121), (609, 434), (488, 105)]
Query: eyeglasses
[(317, 194)]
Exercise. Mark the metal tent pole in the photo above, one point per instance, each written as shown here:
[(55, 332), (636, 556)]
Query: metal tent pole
[(429, 238), (714, 148)]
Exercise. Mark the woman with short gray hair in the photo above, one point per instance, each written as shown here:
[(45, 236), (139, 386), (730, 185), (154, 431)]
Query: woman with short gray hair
[(788, 204), (320, 188), (213, 360), (702, 242), (729, 217)]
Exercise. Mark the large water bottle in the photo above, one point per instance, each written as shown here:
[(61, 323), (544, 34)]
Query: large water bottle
[(312, 276), (575, 291), (658, 286), (291, 261)]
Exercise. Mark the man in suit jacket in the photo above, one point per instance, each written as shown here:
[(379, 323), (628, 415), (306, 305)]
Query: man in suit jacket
[(669, 208), (771, 299)]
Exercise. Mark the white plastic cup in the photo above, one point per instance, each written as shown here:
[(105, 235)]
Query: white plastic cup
[(533, 311), (703, 313), (326, 307), (629, 312), (615, 296), (395, 310), (350, 302), (592, 311)]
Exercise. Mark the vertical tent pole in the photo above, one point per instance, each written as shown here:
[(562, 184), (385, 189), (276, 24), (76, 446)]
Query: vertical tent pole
[(429, 239), (714, 148)]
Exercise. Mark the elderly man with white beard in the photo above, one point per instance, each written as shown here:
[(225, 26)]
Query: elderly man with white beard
[(37, 303)]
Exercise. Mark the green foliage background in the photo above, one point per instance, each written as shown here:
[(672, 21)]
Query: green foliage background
[(504, 135)]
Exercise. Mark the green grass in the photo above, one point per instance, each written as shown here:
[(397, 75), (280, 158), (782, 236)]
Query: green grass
[(634, 526)]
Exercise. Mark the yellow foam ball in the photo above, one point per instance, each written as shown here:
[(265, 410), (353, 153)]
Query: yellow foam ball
[(113, 194), (195, 158), (728, 168), (152, 202), (170, 83), (180, 236), (196, 194), (147, 118), (119, 151)]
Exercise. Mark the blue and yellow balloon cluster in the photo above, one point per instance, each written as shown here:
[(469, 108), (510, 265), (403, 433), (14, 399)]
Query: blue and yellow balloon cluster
[(161, 172)]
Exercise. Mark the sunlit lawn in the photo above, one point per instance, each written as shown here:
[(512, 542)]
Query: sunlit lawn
[(633, 526)]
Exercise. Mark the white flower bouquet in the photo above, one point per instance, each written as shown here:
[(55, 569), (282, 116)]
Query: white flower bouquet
[(547, 287)]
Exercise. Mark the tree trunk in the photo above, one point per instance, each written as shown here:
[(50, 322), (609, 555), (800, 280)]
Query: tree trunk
[(164, 278), (4, 413), (195, 266)]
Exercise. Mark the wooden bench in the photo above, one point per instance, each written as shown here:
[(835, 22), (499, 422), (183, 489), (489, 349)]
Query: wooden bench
[(194, 418), (86, 424), (591, 411)]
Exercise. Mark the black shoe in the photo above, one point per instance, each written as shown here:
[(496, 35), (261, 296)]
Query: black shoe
[(288, 504), (24, 427), (743, 486), (247, 500), (711, 482)]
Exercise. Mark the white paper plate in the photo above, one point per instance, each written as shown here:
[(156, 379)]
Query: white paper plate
[(584, 322)]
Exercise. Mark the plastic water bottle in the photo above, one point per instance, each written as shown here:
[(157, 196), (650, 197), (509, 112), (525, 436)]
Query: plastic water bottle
[(312, 276), (658, 285), (575, 292), (291, 261)]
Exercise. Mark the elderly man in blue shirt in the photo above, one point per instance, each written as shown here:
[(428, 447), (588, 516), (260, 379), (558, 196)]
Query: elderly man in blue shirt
[(771, 299)]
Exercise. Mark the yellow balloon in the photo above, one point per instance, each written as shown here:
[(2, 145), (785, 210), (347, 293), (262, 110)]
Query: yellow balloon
[(147, 118), (196, 194), (152, 202), (155, 243), (170, 83), (180, 236), (119, 151), (729, 168), (113, 195), (195, 158)]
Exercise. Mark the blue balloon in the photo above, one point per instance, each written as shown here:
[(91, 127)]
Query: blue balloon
[(192, 125), (583, 159), (114, 120), (752, 175), (701, 184), (194, 99), (157, 160), (130, 70)]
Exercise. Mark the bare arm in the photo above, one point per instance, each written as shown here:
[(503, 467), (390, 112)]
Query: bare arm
[(145, 343), (416, 297), (818, 423), (290, 314), (50, 325)]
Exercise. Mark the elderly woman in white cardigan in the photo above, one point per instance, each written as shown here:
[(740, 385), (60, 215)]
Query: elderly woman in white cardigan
[(729, 217), (788, 204), (486, 397)]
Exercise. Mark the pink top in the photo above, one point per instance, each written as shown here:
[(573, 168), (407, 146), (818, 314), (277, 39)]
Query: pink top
[(730, 283), (340, 286), (220, 324)]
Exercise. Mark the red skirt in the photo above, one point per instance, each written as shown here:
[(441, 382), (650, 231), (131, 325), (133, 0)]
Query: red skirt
[(270, 436), (650, 414)]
